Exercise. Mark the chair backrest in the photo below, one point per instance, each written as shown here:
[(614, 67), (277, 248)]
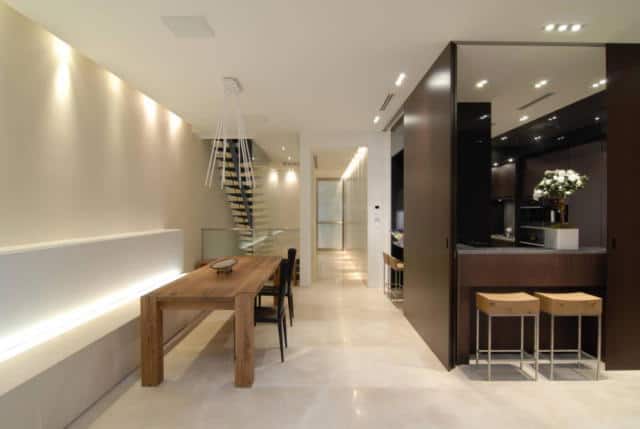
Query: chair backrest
[(291, 259), (282, 286)]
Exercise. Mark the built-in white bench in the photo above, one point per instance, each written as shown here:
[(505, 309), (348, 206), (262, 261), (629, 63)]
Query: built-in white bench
[(69, 320)]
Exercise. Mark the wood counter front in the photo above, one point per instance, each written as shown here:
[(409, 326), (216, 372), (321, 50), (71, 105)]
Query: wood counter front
[(525, 270)]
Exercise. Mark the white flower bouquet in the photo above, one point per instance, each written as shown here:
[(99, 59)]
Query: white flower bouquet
[(557, 185)]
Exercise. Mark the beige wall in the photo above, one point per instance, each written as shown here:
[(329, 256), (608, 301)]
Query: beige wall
[(355, 218), (83, 154)]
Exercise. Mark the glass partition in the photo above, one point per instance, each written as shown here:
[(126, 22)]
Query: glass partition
[(217, 242)]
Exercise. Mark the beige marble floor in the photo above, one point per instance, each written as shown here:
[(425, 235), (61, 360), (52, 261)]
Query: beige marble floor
[(353, 362)]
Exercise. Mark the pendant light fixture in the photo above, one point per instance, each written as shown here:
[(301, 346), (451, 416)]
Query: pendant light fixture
[(222, 144)]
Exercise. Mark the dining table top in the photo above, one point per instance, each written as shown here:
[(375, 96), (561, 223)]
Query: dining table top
[(248, 276)]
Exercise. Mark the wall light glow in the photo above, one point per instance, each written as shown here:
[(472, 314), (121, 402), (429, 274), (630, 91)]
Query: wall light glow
[(63, 82), (360, 154), (175, 122), (291, 177), (114, 82), (150, 108), (62, 50), (46, 330), (273, 177)]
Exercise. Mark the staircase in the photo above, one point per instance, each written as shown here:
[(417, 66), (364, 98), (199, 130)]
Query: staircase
[(246, 203)]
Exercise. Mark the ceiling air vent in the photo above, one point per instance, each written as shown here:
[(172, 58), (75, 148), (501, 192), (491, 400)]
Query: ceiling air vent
[(536, 101), (188, 27), (386, 102)]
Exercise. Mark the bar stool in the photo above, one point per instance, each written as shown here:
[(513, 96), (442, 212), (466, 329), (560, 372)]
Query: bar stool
[(515, 304), (397, 272), (385, 272), (574, 304)]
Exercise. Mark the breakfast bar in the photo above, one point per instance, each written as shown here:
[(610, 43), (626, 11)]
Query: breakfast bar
[(522, 269)]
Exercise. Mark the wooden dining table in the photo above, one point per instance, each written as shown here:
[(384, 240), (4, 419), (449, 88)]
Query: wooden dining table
[(206, 289)]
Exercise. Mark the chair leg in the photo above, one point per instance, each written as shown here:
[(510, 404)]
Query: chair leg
[(489, 351), (477, 337), (290, 303), (284, 327), (280, 340)]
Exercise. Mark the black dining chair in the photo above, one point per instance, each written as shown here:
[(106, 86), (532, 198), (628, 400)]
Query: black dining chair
[(277, 315), (271, 290)]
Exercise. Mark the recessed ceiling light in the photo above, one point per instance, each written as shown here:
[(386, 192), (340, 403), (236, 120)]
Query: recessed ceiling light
[(400, 79), (283, 148), (549, 27), (552, 118), (524, 118), (599, 83), (482, 83), (563, 27), (503, 138), (376, 119), (483, 117), (597, 118), (288, 158), (541, 83), (537, 138), (560, 138), (603, 81), (510, 159), (576, 27), (495, 164)]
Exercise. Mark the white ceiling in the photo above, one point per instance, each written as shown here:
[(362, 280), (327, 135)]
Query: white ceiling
[(512, 72), (305, 65)]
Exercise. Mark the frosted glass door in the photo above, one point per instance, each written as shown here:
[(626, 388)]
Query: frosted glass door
[(329, 214)]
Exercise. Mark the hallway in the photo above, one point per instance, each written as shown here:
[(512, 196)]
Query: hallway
[(353, 361)]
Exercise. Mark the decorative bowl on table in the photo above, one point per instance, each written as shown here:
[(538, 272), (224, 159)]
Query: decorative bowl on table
[(223, 266)]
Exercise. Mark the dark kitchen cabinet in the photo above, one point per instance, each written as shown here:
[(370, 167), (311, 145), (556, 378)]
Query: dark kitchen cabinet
[(503, 182)]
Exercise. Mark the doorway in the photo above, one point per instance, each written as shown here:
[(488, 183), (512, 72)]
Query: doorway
[(330, 212)]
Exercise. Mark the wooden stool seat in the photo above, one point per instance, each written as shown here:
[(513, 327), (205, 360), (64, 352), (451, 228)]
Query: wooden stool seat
[(516, 303), (570, 304)]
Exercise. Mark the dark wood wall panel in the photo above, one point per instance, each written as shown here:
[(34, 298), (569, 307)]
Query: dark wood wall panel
[(623, 180), (428, 122)]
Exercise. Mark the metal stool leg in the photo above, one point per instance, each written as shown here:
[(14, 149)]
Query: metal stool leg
[(536, 342), (489, 351), (579, 339), (477, 336), (551, 347), (599, 346), (521, 342)]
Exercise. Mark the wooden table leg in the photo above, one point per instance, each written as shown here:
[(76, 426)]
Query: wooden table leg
[(151, 356), (244, 340)]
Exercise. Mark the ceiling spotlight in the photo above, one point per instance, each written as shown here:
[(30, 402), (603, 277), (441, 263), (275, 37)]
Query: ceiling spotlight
[(549, 27), (541, 83), (376, 119), (482, 83), (562, 28), (283, 148), (599, 83), (510, 159), (288, 158), (524, 118), (495, 164), (537, 138), (552, 118), (503, 138), (603, 81), (400, 79), (483, 117), (595, 85), (576, 27), (560, 138), (597, 118)]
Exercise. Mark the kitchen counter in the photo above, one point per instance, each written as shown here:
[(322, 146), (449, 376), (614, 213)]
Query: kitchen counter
[(463, 249)]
